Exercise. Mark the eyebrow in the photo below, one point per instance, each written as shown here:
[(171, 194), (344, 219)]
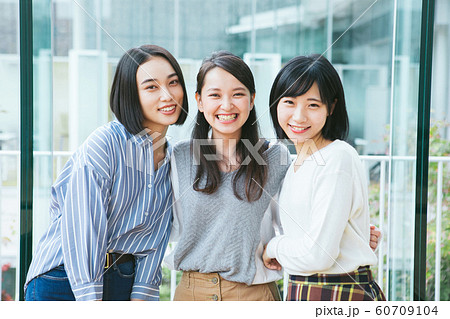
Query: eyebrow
[(218, 89), (156, 80), (308, 99)]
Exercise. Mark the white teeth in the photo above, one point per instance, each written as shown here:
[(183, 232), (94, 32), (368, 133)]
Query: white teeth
[(226, 117), (298, 129), (167, 109)]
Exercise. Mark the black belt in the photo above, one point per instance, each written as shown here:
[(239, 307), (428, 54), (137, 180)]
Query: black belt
[(115, 258)]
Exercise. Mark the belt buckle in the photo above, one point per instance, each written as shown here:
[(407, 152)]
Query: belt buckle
[(108, 260)]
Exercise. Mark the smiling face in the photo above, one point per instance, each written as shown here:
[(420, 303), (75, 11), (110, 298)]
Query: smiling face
[(303, 117), (160, 94), (225, 103)]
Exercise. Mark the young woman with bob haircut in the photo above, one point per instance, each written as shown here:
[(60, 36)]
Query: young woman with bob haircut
[(111, 205), (323, 199)]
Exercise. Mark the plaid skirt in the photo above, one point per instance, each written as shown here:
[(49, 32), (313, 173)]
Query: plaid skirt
[(354, 286)]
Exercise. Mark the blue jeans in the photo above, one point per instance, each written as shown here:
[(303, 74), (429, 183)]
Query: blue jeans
[(54, 285)]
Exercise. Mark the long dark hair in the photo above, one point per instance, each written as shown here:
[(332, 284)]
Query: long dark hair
[(124, 98), (253, 174), (297, 77)]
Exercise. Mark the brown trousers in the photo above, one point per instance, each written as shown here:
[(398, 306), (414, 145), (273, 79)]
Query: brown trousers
[(195, 286)]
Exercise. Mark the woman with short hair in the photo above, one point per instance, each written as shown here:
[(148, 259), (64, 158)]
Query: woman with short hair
[(111, 204)]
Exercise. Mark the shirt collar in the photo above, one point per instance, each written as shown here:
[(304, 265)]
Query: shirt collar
[(141, 138), (144, 138), (169, 148)]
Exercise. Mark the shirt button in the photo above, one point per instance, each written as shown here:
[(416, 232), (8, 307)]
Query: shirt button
[(215, 298), (146, 214), (149, 185), (214, 280)]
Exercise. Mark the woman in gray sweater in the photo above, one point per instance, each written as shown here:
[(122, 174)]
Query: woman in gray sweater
[(224, 180)]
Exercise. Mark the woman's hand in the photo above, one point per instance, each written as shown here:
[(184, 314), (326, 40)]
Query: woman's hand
[(270, 263), (375, 235)]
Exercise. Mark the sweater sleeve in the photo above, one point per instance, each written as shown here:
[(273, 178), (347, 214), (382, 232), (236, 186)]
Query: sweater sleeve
[(177, 212), (175, 232), (316, 249)]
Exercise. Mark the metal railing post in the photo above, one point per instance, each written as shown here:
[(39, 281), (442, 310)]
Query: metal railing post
[(26, 140), (422, 153)]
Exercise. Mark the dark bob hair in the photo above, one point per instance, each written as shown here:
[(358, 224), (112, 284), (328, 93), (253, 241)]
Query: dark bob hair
[(253, 174), (124, 98), (297, 77)]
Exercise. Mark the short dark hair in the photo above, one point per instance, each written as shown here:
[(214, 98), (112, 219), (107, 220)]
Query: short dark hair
[(124, 98), (253, 174), (297, 77)]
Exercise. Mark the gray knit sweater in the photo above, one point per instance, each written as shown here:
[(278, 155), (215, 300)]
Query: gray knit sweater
[(220, 233)]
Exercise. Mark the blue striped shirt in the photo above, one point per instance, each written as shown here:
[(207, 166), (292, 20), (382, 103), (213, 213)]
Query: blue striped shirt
[(108, 198)]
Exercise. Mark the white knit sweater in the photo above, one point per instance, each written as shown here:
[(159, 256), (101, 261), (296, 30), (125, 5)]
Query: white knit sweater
[(324, 214)]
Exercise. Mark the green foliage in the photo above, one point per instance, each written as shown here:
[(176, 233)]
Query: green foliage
[(439, 146), (164, 289)]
